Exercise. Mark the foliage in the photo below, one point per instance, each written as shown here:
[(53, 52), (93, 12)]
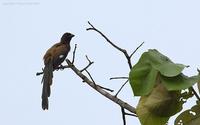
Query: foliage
[(189, 117), (159, 82)]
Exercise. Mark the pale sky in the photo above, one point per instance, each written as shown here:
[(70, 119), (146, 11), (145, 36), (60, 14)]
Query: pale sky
[(29, 28)]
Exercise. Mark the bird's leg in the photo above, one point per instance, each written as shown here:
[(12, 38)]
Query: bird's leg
[(61, 67)]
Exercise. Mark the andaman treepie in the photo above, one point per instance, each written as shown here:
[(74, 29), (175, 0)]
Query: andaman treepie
[(52, 60)]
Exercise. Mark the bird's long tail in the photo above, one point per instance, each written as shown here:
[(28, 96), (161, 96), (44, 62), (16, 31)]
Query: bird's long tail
[(47, 81)]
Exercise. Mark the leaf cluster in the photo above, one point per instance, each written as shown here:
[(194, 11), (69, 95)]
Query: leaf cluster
[(160, 83)]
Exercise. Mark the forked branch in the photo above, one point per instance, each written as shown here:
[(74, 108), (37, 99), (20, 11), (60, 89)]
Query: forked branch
[(99, 89), (128, 57)]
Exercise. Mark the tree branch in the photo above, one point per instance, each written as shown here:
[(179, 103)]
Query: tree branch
[(100, 90), (96, 84), (121, 88), (59, 68), (136, 49), (195, 93), (118, 78), (128, 57), (123, 116), (114, 45), (90, 63), (74, 53)]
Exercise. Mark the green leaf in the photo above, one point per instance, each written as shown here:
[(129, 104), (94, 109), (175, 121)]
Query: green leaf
[(189, 117), (142, 79), (163, 102), (198, 84), (157, 107), (170, 69), (146, 117), (143, 75), (164, 65), (179, 82), (152, 109)]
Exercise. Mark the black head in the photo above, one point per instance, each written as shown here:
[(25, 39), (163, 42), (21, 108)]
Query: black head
[(66, 37)]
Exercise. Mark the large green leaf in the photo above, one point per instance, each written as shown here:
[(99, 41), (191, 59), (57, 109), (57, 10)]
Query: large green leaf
[(163, 64), (157, 107), (143, 75), (143, 79), (189, 117), (153, 109), (179, 82), (170, 69), (198, 84), (147, 117), (163, 102)]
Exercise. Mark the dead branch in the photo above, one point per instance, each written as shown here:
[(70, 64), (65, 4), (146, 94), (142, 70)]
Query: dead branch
[(73, 58), (110, 90), (59, 68), (89, 63), (99, 89), (118, 78), (128, 57), (123, 116), (121, 88)]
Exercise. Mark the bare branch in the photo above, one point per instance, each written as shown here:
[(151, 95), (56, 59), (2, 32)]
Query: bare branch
[(110, 90), (130, 114), (39, 73), (195, 93), (118, 78), (114, 45), (109, 41), (100, 90), (90, 77), (198, 70), (121, 88), (123, 116), (98, 85), (90, 63), (59, 68), (74, 53), (136, 49)]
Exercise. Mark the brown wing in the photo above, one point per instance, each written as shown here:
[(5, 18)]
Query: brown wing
[(57, 53)]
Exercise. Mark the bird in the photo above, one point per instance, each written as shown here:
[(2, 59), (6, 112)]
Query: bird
[(53, 58)]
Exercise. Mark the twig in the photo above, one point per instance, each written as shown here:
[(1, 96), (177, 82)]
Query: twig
[(128, 57), (115, 46), (118, 78), (195, 93), (136, 49), (74, 53), (39, 73), (90, 63), (130, 114), (121, 88), (198, 70), (123, 116), (59, 68), (90, 77), (100, 90), (110, 90)]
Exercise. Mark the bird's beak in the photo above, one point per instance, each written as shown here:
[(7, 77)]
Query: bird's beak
[(72, 35)]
